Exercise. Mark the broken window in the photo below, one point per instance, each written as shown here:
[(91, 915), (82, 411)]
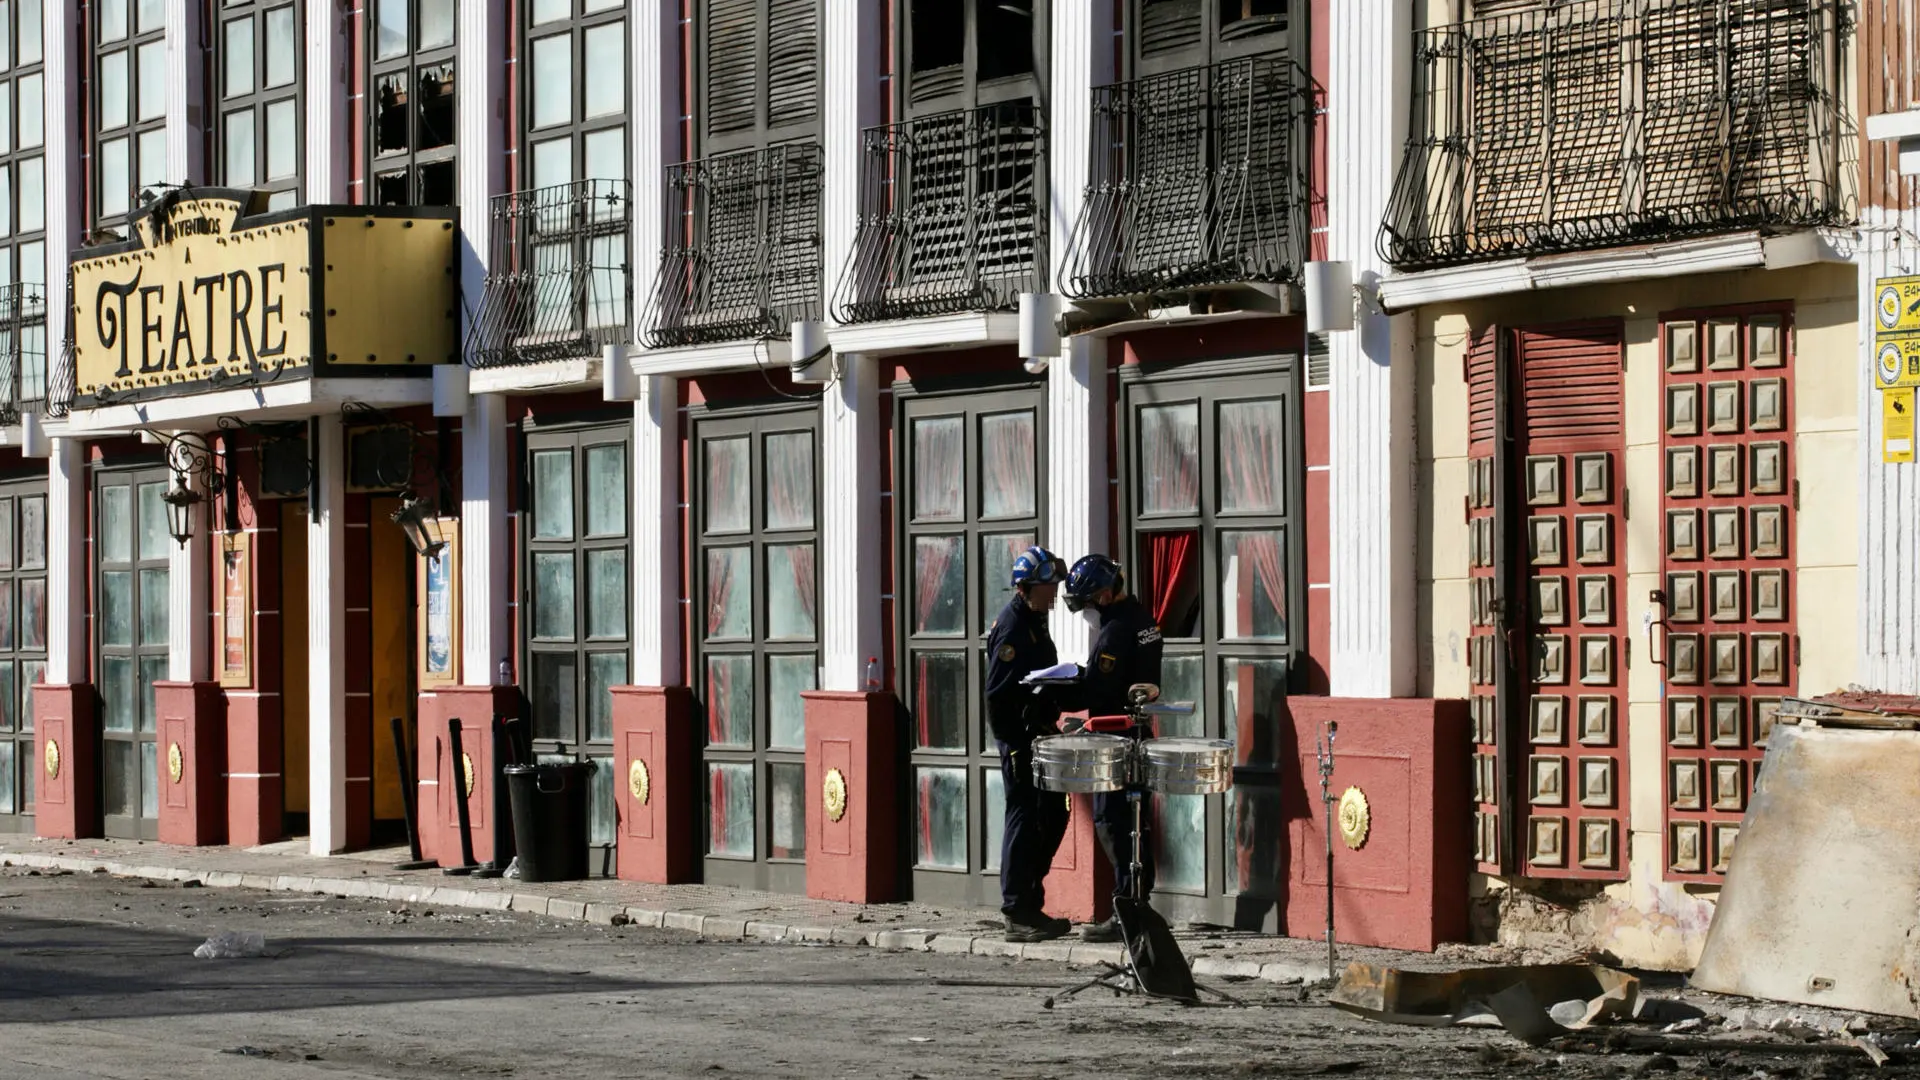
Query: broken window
[(1004, 38), (953, 47), (412, 101)]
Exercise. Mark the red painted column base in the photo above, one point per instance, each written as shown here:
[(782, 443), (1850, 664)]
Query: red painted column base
[(67, 753), (256, 788), (853, 813), (1080, 882), (435, 813), (656, 782), (1405, 887), (193, 757)]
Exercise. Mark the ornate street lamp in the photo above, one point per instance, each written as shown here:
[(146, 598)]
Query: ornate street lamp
[(180, 500), (426, 532)]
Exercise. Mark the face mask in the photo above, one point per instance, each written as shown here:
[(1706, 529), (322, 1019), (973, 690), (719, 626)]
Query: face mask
[(1091, 615)]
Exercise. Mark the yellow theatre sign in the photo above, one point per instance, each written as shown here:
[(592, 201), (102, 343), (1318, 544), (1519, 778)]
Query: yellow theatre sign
[(207, 295)]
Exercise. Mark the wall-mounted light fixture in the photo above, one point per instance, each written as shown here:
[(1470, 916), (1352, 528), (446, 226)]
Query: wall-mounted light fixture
[(1039, 330), (1329, 289), (426, 532), (188, 459), (617, 379), (34, 442), (812, 360), (451, 392)]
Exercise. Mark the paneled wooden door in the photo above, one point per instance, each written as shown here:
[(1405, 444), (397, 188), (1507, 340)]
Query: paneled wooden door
[(1727, 503)]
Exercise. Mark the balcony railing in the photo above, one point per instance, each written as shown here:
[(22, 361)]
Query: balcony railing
[(558, 284), (1604, 122), (1198, 179), (952, 216), (742, 257), (23, 350)]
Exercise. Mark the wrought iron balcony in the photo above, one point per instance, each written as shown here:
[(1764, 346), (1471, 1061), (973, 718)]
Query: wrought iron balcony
[(1198, 179), (952, 216), (1603, 122), (742, 257), (23, 350), (558, 284)]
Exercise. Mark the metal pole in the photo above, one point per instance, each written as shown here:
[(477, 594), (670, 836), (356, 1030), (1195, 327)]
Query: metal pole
[(1324, 750)]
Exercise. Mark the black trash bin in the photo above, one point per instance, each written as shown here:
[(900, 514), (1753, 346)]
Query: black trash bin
[(550, 819)]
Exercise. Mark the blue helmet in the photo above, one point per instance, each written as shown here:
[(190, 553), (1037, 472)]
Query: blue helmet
[(1038, 566), (1088, 576)]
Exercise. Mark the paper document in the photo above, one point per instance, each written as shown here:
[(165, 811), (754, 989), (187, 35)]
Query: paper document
[(1057, 671)]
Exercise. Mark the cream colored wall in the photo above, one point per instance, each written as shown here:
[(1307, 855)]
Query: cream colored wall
[(1646, 921)]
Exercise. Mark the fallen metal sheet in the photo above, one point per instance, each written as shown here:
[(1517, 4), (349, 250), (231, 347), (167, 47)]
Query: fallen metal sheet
[(1822, 897), (1514, 994)]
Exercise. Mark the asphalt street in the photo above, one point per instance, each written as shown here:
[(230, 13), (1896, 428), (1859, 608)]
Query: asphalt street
[(97, 979)]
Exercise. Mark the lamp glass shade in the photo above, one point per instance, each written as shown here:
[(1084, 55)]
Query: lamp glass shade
[(180, 500)]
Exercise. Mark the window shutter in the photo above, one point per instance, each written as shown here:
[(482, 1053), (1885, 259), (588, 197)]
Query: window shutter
[(793, 52), (1168, 26), (733, 65), (1319, 363)]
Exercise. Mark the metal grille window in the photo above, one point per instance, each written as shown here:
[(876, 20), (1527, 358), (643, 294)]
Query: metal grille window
[(130, 104), (23, 643), (1600, 122), (130, 633), (1212, 491), (411, 103), (970, 502), (757, 624), (575, 599), (260, 69), (23, 200)]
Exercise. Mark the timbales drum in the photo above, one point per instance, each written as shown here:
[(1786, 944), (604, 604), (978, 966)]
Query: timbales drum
[(1185, 766), (1082, 764)]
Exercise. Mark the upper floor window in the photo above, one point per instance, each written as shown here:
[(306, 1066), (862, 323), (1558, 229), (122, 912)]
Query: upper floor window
[(130, 104), (966, 53), (576, 107), (23, 195), (412, 103), (260, 72), (1169, 34), (759, 73)]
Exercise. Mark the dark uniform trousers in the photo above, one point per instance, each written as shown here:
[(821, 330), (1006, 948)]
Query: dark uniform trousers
[(1035, 820), (1126, 650)]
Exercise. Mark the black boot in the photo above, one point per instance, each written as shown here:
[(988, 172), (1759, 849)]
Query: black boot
[(1031, 926), (1102, 931)]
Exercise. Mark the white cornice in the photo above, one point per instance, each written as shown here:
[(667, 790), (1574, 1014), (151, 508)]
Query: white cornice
[(722, 356), (917, 335), (1746, 250), (1899, 125), (543, 377), (281, 400)]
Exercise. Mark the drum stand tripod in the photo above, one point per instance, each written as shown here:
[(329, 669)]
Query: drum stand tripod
[(1125, 978)]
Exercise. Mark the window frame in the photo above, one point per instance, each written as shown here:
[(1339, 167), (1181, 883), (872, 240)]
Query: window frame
[(577, 127), (756, 423), (283, 192), (1214, 44), (409, 65), (576, 439), (134, 129), (978, 882), (14, 492), (132, 478), (763, 133), (1211, 384), (973, 92), (14, 240)]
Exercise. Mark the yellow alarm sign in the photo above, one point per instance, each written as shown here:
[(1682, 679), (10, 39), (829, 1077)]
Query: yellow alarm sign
[(1896, 361), (1896, 304), (1896, 425)]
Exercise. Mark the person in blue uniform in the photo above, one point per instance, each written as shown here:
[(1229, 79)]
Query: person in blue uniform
[(1036, 820), (1125, 654)]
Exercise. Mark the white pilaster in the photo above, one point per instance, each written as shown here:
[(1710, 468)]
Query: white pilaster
[(852, 96), (66, 562), (655, 121), (480, 68), (188, 609), (1371, 405), (656, 533), (329, 63), (326, 642), (185, 76), (484, 627), (1889, 578), (1082, 58), (1077, 481), (60, 38), (849, 529)]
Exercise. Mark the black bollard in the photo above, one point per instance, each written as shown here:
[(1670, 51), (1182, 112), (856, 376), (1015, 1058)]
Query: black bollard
[(407, 794), (460, 800)]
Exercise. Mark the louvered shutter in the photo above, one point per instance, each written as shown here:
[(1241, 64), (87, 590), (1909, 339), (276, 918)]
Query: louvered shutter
[(1486, 638), (1168, 26), (793, 51), (732, 65)]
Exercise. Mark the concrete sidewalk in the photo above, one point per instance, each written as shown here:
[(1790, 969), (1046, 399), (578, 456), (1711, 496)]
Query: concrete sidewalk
[(708, 910)]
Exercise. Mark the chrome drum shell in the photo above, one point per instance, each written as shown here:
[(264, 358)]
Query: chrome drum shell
[(1085, 763)]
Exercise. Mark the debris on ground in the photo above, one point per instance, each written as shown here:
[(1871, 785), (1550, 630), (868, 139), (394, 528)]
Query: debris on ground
[(232, 945), (1580, 996)]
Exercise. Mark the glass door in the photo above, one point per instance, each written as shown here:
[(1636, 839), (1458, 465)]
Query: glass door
[(969, 471), (757, 623), (1211, 508), (576, 596), (130, 638), (23, 643)]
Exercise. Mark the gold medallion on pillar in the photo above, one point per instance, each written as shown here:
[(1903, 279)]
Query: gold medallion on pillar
[(175, 764), (1355, 818), (53, 760), (466, 773), (638, 782), (833, 795)]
